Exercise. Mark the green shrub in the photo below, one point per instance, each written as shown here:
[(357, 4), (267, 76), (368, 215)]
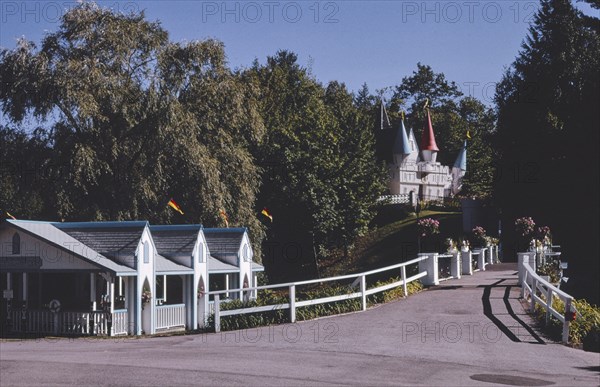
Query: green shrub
[(584, 330), (393, 294)]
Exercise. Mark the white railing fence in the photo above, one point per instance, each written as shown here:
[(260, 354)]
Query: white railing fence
[(170, 316), (428, 271), (542, 292), (44, 322)]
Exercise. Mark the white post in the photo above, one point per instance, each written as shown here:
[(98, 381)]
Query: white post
[(430, 265), (363, 291), (112, 304), (565, 332), (404, 285), (533, 293), (93, 291), (522, 259), (548, 304), (217, 314), (227, 285), (481, 259), (164, 289), (455, 265), (490, 255), (292, 303), (465, 257)]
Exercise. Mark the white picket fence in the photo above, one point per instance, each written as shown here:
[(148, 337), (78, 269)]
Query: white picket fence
[(45, 322), (542, 292), (170, 317)]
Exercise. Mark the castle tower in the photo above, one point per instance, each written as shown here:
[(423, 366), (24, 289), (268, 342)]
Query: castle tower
[(429, 148), (401, 147), (459, 169)]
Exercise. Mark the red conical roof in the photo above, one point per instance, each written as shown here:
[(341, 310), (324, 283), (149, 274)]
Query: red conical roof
[(428, 139)]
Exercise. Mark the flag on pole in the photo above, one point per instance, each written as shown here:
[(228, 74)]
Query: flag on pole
[(174, 206), (224, 216), (426, 104), (12, 217), (266, 213), (468, 134)]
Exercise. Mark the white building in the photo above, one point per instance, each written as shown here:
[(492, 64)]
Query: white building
[(116, 278), (417, 171)]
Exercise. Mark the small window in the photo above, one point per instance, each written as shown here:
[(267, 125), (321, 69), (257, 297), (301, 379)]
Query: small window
[(246, 254), (201, 253), (146, 252), (16, 244)]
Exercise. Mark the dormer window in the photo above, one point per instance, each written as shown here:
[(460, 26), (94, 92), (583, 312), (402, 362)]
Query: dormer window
[(146, 252), (246, 253), (16, 244)]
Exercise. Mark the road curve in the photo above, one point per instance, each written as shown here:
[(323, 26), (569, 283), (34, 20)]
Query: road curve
[(471, 331)]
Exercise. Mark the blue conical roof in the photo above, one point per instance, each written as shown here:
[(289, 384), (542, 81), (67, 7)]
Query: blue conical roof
[(401, 144), (461, 160)]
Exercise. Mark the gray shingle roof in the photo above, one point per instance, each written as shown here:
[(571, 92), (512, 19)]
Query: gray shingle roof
[(53, 235), (115, 240), (224, 241), (175, 240)]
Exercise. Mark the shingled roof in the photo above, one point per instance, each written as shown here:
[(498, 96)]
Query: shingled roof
[(224, 241), (175, 240), (115, 240)]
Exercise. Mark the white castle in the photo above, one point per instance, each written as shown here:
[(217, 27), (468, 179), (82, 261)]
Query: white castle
[(419, 172)]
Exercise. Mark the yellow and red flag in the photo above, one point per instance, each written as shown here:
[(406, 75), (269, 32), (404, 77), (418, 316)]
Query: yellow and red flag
[(224, 216), (468, 134), (174, 206), (12, 217), (266, 213)]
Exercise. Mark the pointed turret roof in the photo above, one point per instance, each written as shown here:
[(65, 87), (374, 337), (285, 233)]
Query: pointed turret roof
[(461, 160), (428, 138), (401, 144)]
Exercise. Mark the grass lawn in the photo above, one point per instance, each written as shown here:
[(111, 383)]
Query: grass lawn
[(392, 241)]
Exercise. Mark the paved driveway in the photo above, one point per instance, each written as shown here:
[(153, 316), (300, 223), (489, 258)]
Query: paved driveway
[(465, 332)]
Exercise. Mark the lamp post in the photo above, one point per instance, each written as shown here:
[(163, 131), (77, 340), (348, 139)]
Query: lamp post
[(414, 201)]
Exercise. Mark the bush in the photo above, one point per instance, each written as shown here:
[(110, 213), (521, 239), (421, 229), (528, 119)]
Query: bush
[(393, 294), (583, 331)]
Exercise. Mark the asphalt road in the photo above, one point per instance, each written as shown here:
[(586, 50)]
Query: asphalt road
[(465, 332)]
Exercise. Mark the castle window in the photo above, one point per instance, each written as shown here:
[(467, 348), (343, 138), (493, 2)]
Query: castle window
[(16, 243)]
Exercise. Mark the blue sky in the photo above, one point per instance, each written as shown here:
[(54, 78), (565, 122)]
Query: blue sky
[(377, 42)]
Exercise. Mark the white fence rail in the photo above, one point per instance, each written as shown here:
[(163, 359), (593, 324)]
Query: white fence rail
[(170, 316), (44, 322), (359, 278), (543, 293)]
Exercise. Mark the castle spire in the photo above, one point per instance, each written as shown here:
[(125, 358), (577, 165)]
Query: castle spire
[(428, 138), (461, 160), (401, 144)]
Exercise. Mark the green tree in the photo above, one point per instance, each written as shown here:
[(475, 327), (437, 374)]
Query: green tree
[(134, 119), (313, 137), (548, 134)]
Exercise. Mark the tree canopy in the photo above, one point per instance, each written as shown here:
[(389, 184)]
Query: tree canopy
[(548, 127)]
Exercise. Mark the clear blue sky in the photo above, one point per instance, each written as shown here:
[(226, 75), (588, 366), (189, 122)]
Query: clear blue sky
[(377, 42)]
